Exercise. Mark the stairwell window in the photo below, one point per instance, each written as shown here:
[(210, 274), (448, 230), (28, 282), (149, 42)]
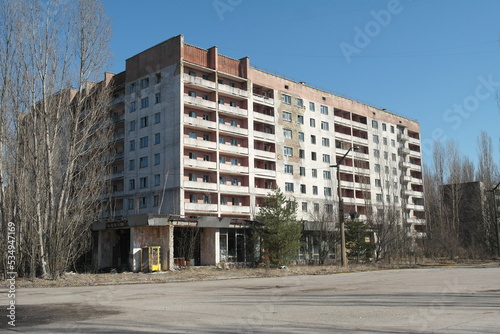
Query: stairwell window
[(287, 99)]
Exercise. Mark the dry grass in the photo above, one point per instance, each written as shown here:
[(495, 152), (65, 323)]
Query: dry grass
[(210, 273)]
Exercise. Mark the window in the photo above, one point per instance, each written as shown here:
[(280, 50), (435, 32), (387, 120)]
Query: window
[(304, 206), (287, 133), (143, 162), (316, 207), (324, 126), (144, 121), (326, 158), (289, 187), (386, 169), (300, 119), (205, 178), (157, 98), (232, 104), (143, 202), (324, 110), (327, 191), (234, 181), (287, 151), (206, 157), (222, 160), (393, 143), (394, 171), (131, 164), (133, 87), (157, 138), (375, 138), (384, 140), (132, 126), (377, 168), (156, 200), (315, 190), (192, 134), (287, 99), (157, 158), (157, 118), (130, 204), (313, 139), (234, 142), (144, 142), (205, 117), (132, 145), (302, 171), (386, 155), (384, 127), (327, 175), (222, 140), (144, 102), (378, 183), (192, 93), (222, 180), (314, 172), (133, 106), (393, 156), (379, 197), (302, 154), (143, 182), (313, 156), (206, 137), (234, 161), (374, 124), (312, 123), (192, 177), (311, 106), (144, 83), (287, 116), (288, 169), (376, 153), (325, 142), (157, 179), (301, 136), (392, 128), (193, 198), (233, 123), (158, 78), (131, 184), (302, 188), (300, 102)]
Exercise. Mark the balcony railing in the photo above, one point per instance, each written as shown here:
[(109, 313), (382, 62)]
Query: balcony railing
[(228, 189), (233, 129), (200, 207), (200, 102), (265, 172), (264, 135), (263, 117), (232, 90), (194, 142), (194, 163), (263, 99), (233, 110), (190, 79), (235, 209), (233, 149), (200, 185)]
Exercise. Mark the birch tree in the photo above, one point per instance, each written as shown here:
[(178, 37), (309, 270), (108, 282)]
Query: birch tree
[(62, 150)]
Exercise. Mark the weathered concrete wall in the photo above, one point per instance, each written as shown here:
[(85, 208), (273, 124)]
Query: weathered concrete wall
[(209, 246), (144, 236)]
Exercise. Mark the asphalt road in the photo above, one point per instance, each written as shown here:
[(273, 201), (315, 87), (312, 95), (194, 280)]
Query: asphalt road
[(434, 300)]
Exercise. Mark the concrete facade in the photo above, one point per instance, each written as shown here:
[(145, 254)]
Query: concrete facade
[(202, 135)]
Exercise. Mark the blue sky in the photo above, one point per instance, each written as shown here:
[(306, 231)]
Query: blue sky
[(437, 62)]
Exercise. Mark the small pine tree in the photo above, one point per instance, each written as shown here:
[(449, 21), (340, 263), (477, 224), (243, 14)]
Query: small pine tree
[(279, 230), (356, 234)]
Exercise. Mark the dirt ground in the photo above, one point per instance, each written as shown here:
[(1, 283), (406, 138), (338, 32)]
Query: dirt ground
[(206, 273)]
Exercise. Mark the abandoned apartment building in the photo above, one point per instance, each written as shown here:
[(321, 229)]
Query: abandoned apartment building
[(201, 139)]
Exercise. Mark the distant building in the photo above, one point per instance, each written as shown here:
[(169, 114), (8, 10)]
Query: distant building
[(201, 139)]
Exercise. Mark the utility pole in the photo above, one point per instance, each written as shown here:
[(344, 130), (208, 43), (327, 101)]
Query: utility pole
[(343, 256)]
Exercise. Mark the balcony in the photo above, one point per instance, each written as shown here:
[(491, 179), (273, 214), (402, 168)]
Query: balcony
[(232, 90), (414, 141), (263, 100), (194, 163), (199, 123), (265, 172), (403, 137), (405, 164), (264, 135), (342, 121), (263, 118), (262, 191), (193, 142), (202, 207), (199, 102), (192, 80), (407, 178), (233, 149), (233, 129), (415, 167), (415, 154), (236, 209), (229, 189), (233, 110), (403, 150), (343, 137), (359, 140), (234, 169), (265, 154), (200, 185), (409, 192)]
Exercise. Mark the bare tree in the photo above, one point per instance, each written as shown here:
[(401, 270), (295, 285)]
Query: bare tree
[(62, 150)]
